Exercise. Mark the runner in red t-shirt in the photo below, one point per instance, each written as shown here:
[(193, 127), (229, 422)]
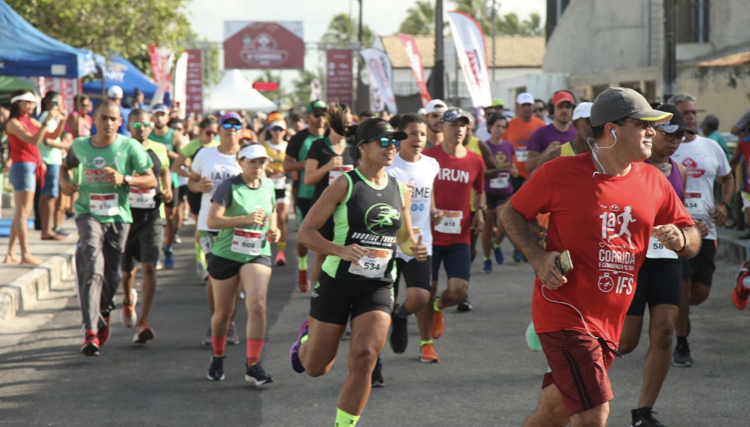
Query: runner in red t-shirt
[(602, 216), (460, 171)]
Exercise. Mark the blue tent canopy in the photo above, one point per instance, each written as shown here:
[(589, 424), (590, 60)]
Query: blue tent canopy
[(120, 72), (27, 51)]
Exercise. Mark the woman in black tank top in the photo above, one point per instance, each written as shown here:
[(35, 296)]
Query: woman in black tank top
[(369, 220)]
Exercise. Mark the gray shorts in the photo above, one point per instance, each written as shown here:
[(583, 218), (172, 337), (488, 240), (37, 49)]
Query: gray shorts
[(143, 244)]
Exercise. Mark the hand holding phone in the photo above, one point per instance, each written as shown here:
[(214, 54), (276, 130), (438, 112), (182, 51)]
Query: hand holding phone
[(564, 263)]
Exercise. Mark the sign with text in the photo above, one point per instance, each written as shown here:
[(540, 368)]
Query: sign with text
[(339, 77), (264, 45), (266, 86), (194, 82)]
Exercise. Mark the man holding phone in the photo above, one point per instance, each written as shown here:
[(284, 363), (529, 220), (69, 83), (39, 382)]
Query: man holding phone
[(578, 317)]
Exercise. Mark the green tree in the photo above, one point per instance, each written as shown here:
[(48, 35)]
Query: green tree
[(300, 94), (123, 27), (508, 24), (420, 20), (344, 29), (275, 95)]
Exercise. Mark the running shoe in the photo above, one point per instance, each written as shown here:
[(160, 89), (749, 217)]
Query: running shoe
[(438, 324), (302, 282), (294, 351), (256, 375), (487, 269), (427, 354), (128, 316), (216, 369), (208, 338), (681, 356), (103, 334), (741, 292), (143, 334), (377, 375), (177, 239), (90, 345), (280, 259), (464, 305), (159, 265), (645, 419), (242, 295), (169, 260), (61, 232), (399, 333), (232, 337), (499, 257)]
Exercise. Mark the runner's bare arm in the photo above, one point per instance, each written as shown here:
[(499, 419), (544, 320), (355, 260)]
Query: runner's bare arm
[(216, 219), (720, 212), (547, 156), (66, 185), (308, 234), (166, 184), (13, 127), (291, 164), (273, 231), (145, 180), (314, 173), (672, 238), (478, 223), (177, 166), (406, 240), (490, 167), (522, 237), (735, 160)]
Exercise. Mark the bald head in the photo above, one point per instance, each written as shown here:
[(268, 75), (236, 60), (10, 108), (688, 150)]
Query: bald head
[(108, 105)]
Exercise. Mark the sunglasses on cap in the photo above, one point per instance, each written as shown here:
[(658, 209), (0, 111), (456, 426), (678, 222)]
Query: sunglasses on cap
[(138, 125), (235, 126)]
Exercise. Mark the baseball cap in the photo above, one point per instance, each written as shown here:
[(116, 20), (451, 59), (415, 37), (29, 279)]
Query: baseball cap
[(435, 106), (315, 105), (454, 114), (275, 116), (247, 134), (582, 111), (524, 98), (422, 111), (563, 96), (676, 123), (498, 102), (160, 108), (253, 151), (114, 92), (372, 129), (278, 123), (230, 116), (617, 103)]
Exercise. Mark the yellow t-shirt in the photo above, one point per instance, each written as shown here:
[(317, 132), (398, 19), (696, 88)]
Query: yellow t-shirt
[(277, 153)]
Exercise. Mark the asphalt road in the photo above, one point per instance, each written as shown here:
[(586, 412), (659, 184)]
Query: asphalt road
[(487, 375)]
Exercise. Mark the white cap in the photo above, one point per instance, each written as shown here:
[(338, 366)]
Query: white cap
[(422, 111), (114, 92), (582, 111), (436, 106), (278, 123), (524, 98), (253, 151)]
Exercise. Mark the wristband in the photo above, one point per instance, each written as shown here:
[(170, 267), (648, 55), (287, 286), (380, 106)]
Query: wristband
[(726, 205), (684, 240)]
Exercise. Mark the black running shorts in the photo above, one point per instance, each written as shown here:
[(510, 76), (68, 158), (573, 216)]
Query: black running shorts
[(701, 268), (221, 268), (335, 300), (415, 273), (659, 282), (194, 200), (457, 260), (495, 200)]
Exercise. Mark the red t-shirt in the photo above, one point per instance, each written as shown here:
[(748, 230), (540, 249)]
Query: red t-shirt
[(451, 190), (605, 222), (21, 151)]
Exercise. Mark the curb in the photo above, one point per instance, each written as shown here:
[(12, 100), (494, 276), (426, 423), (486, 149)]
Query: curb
[(25, 291), (734, 251)]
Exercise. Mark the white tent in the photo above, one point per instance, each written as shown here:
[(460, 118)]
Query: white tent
[(235, 92)]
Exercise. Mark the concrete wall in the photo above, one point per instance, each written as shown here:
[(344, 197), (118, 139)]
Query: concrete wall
[(719, 90), (729, 23)]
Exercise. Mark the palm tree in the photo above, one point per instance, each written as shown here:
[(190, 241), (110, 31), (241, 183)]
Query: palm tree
[(481, 10), (344, 29), (508, 24), (301, 86), (533, 26), (420, 20)]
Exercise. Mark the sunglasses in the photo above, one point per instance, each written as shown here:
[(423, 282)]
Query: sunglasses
[(643, 124), (138, 125), (231, 126), (386, 142), (277, 129), (538, 110), (672, 137), (209, 132)]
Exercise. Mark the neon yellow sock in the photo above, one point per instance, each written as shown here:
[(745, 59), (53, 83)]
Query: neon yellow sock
[(343, 419), (302, 263), (281, 246), (486, 258), (434, 305), (421, 343), (199, 255), (495, 245)]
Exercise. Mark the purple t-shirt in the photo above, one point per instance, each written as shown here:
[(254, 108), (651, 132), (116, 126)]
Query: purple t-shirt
[(503, 155), (544, 136)]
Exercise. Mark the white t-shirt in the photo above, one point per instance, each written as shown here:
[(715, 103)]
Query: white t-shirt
[(482, 133), (421, 174), (704, 160), (210, 163)]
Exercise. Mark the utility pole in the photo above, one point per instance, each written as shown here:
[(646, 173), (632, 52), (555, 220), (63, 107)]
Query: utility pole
[(363, 96), (670, 49), (438, 70)]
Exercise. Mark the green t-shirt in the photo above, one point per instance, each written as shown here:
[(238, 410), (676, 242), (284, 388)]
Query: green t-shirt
[(168, 141), (50, 155), (105, 202), (239, 199), (192, 147)]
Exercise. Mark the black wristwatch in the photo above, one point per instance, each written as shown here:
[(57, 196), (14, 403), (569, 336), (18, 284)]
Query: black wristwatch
[(729, 208)]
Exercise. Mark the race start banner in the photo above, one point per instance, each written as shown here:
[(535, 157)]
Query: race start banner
[(415, 59), (264, 45), (381, 76), (339, 77), (472, 55)]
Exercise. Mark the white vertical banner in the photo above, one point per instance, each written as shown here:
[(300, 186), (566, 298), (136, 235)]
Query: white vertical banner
[(180, 84), (472, 55), (162, 60), (381, 76)]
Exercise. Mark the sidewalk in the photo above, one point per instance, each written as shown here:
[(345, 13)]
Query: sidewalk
[(22, 287)]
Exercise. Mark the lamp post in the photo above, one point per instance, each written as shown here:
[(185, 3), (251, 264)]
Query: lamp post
[(438, 70)]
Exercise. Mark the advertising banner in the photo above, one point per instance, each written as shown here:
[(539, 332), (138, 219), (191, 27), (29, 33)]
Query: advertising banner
[(415, 59), (472, 55), (264, 45), (339, 77), (194, 83), (381, 76)]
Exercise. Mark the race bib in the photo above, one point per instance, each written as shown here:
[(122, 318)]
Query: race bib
[(142, 198), (451, 223), (337, 172), (247, 242), (279, 183), (522, 154), (104, 204), (373, 264), (694, 206), (656, 250), (502, 181)]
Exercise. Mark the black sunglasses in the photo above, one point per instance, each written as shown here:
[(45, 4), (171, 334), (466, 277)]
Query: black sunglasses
[(277, 128), (642, 123), (538, 110)]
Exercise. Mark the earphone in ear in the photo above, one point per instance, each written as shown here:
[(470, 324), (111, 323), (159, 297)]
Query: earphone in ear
[(614, 134)]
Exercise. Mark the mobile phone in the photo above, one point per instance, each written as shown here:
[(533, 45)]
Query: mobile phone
[(564, 263)]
